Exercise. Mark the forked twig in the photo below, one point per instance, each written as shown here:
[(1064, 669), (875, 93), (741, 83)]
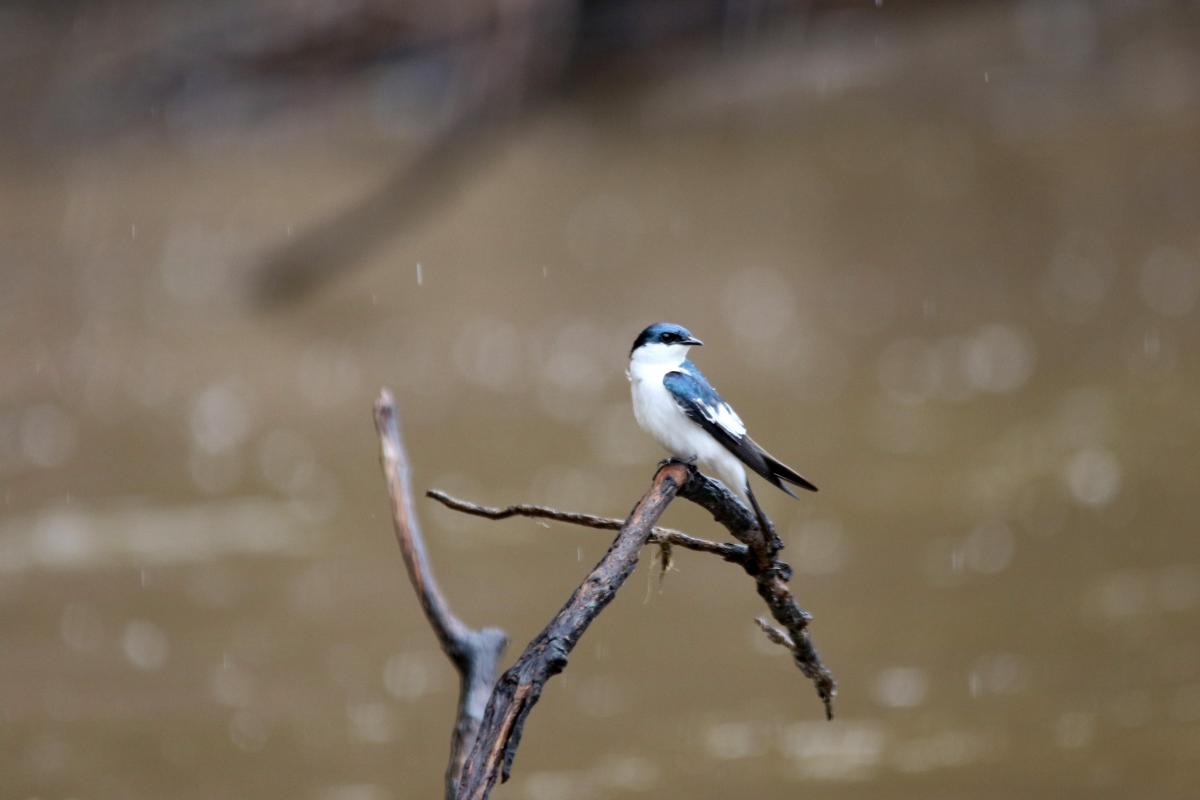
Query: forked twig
[(474, 653)]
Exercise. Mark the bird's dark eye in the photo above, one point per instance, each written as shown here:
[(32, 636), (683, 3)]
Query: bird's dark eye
[(670, 337)]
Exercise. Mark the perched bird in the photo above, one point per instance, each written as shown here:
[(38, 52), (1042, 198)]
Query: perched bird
[(676, 404)]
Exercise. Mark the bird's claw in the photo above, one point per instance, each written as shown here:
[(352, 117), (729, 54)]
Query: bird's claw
[(690, 463)]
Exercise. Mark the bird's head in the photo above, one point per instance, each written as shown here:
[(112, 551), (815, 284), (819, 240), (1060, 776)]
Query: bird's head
[(663, 343)]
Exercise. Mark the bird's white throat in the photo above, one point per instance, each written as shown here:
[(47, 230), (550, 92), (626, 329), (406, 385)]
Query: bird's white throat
[(655, 358)]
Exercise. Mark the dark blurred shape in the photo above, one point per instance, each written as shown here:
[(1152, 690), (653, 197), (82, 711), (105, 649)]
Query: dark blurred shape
[(415, 188), (479, 67), (519, 58)]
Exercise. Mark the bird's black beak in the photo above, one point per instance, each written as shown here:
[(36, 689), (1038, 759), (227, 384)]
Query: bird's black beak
[(693, 341)]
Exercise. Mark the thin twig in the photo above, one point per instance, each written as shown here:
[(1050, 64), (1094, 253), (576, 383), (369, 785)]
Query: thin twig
[(474, 653), (735, 553), (776, 635), (521, 686)]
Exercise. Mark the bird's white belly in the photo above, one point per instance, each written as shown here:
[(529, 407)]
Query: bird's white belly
[(660, 416)]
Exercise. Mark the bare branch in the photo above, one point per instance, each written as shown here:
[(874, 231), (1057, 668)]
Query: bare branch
[(757, 555), (735, 553), (474, 653), (519, 689), (770, 575), (491, 718)]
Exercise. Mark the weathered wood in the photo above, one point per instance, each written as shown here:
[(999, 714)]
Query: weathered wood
[(492, 714), (474, 653), (519, 689)]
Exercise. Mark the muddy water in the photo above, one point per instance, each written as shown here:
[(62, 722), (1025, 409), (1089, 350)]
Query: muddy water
[(949, 271)]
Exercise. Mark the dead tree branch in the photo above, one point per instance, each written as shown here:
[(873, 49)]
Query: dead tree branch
[(520, 688), (757, 555), (474, 653), (491, 718), (770, 575)]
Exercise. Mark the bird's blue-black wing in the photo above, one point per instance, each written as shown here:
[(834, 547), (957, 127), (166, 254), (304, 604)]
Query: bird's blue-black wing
[(696, 397)]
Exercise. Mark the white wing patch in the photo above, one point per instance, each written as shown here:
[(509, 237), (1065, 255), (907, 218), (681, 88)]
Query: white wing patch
[(725, 416)]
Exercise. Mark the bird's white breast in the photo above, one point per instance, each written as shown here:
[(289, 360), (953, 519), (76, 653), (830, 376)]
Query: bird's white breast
[(659, 415), (656, 411)]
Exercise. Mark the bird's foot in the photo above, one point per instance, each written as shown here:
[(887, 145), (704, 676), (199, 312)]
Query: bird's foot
[(690, 463)]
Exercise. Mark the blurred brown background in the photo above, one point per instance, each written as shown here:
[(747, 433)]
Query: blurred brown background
[(947, 261)]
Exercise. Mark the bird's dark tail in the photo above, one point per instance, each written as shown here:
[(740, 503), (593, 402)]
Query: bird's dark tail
[(776, 472)]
